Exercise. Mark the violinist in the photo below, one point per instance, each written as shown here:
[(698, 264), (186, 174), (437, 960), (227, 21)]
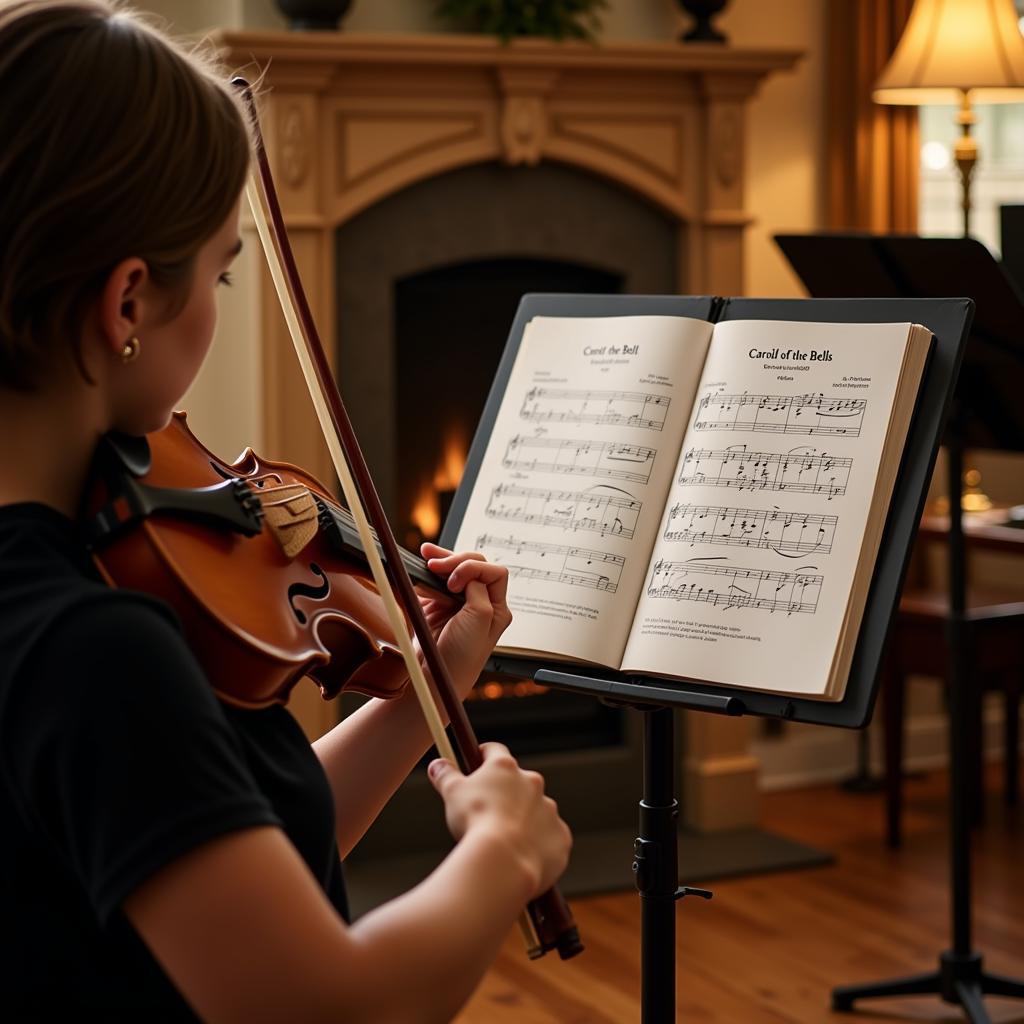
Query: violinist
[(168, 855)]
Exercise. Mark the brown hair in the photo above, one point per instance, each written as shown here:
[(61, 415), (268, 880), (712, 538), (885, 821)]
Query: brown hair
[(114, 142)]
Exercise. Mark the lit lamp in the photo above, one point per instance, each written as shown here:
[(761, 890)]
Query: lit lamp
[(957, 51)]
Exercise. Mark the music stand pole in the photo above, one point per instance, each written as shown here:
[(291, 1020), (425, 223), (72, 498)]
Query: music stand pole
[(656, 866), (656, 848)]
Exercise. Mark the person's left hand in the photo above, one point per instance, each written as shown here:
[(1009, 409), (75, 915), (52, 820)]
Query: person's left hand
[(466, 637)]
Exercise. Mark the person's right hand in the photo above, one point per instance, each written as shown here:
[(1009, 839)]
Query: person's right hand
[(502, 797)]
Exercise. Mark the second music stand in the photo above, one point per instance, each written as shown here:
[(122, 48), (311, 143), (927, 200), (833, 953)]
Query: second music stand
[(986, 413)]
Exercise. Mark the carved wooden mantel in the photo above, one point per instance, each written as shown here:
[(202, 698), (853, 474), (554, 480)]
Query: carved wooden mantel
[(351, 119)]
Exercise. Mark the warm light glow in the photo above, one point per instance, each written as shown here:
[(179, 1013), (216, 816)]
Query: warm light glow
[(935, 156), (426, 513), (453, 460), (953, 47), (493, 689)]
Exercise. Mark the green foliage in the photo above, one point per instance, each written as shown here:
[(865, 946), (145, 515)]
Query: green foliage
[(553, 19)]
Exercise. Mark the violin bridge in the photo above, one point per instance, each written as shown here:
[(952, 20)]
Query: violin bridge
[(291, 513)]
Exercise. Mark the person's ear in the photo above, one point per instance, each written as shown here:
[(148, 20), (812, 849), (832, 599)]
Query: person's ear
[(122, 308)]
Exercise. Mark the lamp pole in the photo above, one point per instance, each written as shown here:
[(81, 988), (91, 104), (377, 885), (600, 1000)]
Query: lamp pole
[(966, 154)]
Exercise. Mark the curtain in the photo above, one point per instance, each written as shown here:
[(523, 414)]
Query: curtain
[(872, 148)]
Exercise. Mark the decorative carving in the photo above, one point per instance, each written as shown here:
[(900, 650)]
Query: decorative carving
[(524, 122), (524, 112), (728, 145), (294, 146)]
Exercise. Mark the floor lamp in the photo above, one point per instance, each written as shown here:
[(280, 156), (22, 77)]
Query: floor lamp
[(957, 51)]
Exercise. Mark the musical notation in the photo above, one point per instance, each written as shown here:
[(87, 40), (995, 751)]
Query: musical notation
[(559, 563), (782, 532), (781, 414), (612, 513), (800, 470), (592, 458), (609, 408), (733, 587)]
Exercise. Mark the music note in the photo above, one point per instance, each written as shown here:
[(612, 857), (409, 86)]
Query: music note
[(572, 405), (775, 472), (781, 414), (786, 591), (558, 563)]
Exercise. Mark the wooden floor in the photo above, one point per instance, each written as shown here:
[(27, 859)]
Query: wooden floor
[(768, 950)]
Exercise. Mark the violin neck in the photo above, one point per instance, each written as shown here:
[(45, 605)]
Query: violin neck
[(338, 525)]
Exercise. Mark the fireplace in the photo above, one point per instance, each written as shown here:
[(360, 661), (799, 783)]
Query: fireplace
[(428, 283), (358, 127)]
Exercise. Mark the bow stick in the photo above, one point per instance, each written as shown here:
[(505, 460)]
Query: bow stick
[(547, 922)]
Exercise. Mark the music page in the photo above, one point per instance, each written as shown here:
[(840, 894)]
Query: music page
[(574, 478), (752, 569)]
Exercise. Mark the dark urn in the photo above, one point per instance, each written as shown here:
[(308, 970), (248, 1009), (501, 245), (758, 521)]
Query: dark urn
[(703, 11), (315, 15)]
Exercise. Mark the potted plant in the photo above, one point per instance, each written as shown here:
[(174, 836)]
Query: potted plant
[(507, 19)]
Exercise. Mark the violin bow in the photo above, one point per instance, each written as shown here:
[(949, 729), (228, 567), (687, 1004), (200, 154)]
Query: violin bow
[(547, 922)]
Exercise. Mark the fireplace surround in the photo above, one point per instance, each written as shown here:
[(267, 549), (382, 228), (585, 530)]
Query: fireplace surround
[(352, 121)]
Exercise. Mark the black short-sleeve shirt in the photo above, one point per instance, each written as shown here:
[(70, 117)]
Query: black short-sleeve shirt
[(115, 758)]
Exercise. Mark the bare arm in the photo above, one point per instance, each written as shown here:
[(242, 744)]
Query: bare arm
[(245, 934), (366, 759), (367, 756)]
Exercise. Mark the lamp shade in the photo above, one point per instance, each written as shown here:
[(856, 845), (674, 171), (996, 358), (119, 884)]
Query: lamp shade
[(952, 47)]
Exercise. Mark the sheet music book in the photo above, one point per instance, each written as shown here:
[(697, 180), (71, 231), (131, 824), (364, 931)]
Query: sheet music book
[(690, 500)]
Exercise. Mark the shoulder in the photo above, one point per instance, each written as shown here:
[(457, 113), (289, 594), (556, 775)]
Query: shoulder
[(109, 621), (54, 605), (99, 629), (105, 667)]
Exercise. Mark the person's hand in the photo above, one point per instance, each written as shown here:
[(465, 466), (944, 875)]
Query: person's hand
[(467, 637), (510, 802)]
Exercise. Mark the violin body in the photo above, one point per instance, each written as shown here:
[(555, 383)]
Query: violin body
[(260, 610)]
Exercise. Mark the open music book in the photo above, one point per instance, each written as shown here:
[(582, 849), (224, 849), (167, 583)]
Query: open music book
[(696, 501)]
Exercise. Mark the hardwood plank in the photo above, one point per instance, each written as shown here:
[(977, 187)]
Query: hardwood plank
[(769, 949)]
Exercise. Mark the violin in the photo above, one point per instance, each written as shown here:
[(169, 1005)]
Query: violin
[(195, 515), (170, 518)]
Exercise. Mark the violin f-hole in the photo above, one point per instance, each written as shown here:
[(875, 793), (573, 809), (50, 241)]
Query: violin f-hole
[(317, 593)]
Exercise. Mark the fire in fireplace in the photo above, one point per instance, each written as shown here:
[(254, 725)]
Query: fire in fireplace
[(428, 284), (436, 490), (450, 328)]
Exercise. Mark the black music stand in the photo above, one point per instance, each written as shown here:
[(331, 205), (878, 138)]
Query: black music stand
[(986, 413), (655, 851), (1011, 242)]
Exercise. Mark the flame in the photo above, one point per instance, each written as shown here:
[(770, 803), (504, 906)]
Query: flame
[(426, 513), (453, 460), (493, 689)]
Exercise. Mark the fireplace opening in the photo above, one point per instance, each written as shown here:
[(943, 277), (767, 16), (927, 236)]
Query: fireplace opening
[(427, 288), (451, 324)]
